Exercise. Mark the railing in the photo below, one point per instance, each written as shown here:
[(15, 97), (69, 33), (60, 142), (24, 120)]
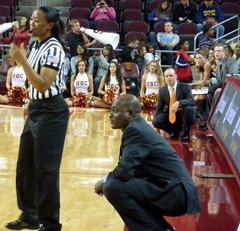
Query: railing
[(41, 3), (219, 38)]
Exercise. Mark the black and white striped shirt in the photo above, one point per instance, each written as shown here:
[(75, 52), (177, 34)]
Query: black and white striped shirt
[(49, 54)]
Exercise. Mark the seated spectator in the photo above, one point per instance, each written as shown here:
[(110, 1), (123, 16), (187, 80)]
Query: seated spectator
[(228, 50), (82, 55), (143, 57), (76, 36), (81, 86), (210, 12), (129, 51), (112, 85), (207, 41), (183, 63), (102, 60), (21, 33), (156, 54), (165, 40), (151, 82), (162, 13), (207, 77), (206, 68), (101, 12), (237, 53), (212, 62), (185, 11)]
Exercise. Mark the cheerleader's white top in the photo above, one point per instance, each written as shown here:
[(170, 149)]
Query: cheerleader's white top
[(113, 83), (81, 83), (18, 77), (152, 85)]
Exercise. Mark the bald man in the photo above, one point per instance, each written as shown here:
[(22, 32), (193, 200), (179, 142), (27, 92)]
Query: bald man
[(150, 180), (183, 107)]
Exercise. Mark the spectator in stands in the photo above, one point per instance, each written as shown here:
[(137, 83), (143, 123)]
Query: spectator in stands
[(101, 12), (183, 63), (212, 61), (102, 60), (207, 76), (76, 36), (206, 70), (210, 12), (228, 50), (185, 11), (129, 52), (162, 13), (156, 54), (207, 41), (165, 40), (143, 57), (21, 33), (82, 55), (237, 53)]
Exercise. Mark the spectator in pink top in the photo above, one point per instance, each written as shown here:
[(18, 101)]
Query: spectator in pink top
[(101, 12), (20, 34)]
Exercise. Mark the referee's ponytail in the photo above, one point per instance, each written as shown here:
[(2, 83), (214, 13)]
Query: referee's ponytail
[(52, 15)]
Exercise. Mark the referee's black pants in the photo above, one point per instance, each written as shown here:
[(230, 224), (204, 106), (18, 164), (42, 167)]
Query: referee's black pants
[(39, 159)]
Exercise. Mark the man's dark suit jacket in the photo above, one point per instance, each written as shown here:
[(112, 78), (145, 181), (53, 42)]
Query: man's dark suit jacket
[(183, 95), (147, 156)]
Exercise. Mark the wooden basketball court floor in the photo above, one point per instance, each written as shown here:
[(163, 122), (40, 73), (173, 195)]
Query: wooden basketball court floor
[(91, 151)]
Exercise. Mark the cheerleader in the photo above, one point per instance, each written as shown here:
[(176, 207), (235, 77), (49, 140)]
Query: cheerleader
[(16, 83), (81, 86), (111, 86), (151, 82)]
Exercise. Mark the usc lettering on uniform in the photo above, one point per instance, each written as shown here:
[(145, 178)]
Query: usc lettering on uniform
[(116, 86), (17, 76), (82, 83), (151, 83)]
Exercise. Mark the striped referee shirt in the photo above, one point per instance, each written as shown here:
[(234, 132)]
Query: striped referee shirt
[(49, 54)]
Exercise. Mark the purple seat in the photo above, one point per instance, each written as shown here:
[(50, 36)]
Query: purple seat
[(77, 13)]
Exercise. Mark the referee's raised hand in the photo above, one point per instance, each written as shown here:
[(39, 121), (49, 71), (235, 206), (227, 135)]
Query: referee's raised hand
[(18, 53)]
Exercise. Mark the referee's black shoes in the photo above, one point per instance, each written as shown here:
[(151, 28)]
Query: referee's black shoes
[(43, 228), (19, 224)]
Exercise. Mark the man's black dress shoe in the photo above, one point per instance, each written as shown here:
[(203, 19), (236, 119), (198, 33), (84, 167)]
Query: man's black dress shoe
[(44, 228), (185, 138), (19, 224)]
